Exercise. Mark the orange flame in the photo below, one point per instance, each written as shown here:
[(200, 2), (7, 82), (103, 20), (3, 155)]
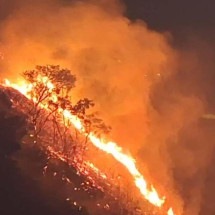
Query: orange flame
[(109, 147), (170, 212)]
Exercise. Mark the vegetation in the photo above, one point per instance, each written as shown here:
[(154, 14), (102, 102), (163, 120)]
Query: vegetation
[(51, 88)]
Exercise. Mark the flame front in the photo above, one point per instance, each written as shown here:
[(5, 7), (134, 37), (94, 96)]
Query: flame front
[(170, 212), (109, 147)]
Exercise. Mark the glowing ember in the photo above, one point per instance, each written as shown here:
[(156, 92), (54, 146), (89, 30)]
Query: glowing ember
[(96, 170), (107, 146)]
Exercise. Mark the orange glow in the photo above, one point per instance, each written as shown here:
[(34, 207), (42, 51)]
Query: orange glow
[(170, 212), (149, 192)]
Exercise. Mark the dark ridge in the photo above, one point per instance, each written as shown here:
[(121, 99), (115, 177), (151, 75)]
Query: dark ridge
[(19, 192)]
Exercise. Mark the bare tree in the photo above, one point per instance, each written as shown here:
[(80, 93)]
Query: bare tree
[(50, 89)]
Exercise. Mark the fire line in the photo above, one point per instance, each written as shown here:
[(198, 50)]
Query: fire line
[(107, 146)]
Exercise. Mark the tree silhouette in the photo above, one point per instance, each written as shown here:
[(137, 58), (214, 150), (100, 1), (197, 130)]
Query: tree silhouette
[(50, 89)]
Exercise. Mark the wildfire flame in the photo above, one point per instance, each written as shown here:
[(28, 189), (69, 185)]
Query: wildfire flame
[(109, 147), (170, 212)]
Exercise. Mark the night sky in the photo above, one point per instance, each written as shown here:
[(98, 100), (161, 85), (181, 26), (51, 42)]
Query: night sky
[(182, 18), (172, 14)]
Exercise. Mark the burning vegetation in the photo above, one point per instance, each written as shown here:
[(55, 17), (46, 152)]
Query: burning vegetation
[(64, 129), (152, 92)]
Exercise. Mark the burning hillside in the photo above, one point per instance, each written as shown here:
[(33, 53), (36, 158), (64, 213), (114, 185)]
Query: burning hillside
[(48, 87), (150, 86)]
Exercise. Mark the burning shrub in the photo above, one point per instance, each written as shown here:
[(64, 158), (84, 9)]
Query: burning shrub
[(50, 88)]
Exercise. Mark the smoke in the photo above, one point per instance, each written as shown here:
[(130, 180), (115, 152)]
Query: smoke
[(186, 139), (116, 60), (131, 72)]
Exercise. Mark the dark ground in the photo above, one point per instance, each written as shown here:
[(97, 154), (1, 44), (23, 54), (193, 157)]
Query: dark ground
[(19, 192), (22, 195), (27, 187)]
